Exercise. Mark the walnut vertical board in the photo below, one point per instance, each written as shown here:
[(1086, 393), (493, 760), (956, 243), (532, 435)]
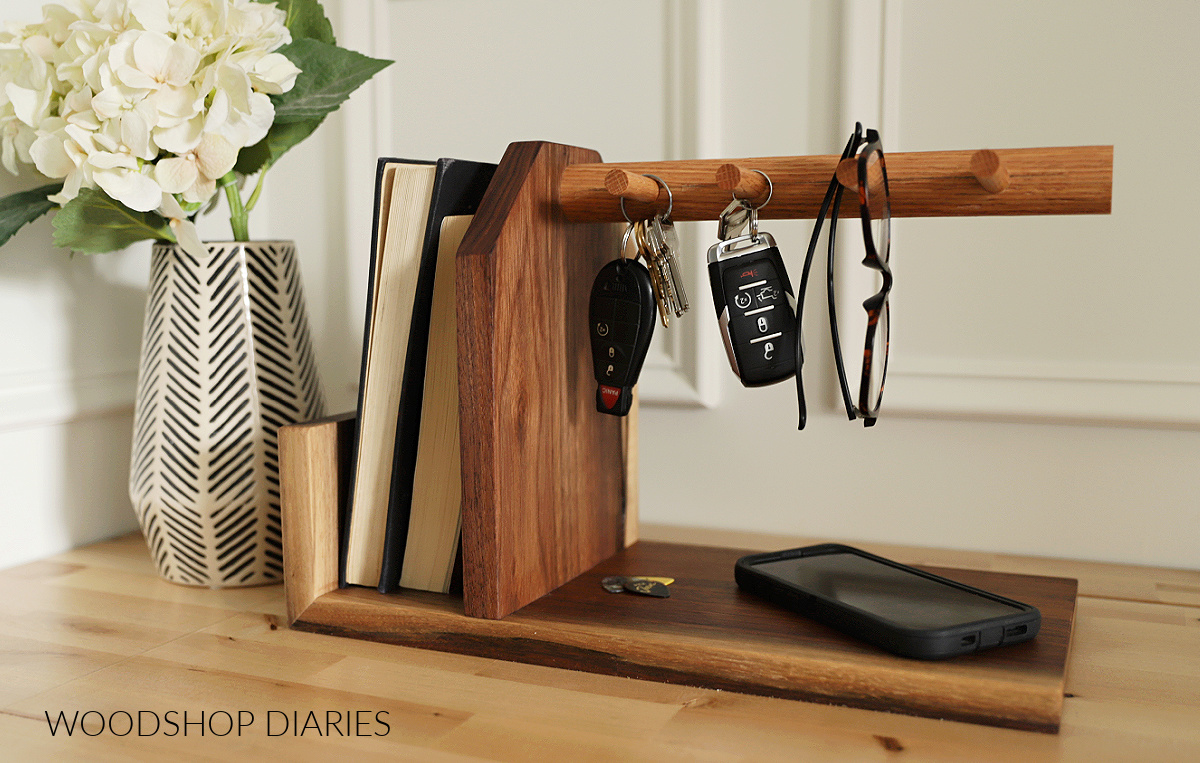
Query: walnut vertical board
[(543, 472)]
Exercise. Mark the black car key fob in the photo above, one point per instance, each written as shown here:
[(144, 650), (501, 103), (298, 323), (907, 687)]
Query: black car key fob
[(756, 308), (621, 315)]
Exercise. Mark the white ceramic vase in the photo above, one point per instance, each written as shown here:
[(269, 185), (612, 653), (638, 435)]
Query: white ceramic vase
[(226, 360)]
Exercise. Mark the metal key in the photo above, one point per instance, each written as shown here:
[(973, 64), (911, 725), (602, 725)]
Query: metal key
[(656, 251), (655, 265), (663, 233), (733, 220)]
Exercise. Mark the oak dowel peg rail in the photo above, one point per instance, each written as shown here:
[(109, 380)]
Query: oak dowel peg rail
[(745, 183), (1070, 180), (989, 169), (847, 174)]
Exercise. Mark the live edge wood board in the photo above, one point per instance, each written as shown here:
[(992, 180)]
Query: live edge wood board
[(707, 634)]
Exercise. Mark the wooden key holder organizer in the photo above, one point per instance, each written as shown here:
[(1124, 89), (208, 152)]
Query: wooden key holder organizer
[(549, 485)]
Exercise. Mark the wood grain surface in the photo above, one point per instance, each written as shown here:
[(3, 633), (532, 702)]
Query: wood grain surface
[(744, 184), (710, 634), (1042, 181), (324, 447), (95, 629), (543, 472)]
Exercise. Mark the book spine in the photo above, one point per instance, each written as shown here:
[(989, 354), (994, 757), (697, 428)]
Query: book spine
[(458, 189)]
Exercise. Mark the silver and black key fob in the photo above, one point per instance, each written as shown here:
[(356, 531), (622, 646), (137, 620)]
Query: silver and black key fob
[(756, 308), (621, 317)]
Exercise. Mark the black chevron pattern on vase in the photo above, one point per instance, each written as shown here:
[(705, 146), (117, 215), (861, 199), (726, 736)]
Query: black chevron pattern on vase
[(227, 359)]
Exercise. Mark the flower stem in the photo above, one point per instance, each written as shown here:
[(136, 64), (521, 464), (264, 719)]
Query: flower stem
[(257, 190), (239, 218)]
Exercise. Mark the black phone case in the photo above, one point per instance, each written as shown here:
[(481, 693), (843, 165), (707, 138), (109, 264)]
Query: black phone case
[(922, 644)]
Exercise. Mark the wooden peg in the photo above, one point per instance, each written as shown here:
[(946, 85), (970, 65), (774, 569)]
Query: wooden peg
[(629, 185), (847, 173), (989, 169), (747, 185)]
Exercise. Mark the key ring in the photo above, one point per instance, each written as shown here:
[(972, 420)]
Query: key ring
[(629, 230), (639, 237), (670, 197), (770, 193), (752, 210), (667, 188), (628, 233)]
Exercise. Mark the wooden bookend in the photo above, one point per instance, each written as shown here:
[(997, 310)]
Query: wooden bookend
[(314, 469), (543, 472)]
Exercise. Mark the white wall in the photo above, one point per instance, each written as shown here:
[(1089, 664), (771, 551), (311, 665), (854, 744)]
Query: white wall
[(1045, 387), (1045, 395), (69, 361)]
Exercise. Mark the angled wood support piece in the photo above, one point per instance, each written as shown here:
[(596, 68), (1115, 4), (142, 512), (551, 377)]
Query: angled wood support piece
[(1042, 181)]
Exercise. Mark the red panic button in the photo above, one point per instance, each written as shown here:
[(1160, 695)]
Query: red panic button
[(610, 395), (752, 273)]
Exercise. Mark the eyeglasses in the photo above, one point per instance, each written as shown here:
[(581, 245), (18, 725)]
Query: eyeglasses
[(875, 211)]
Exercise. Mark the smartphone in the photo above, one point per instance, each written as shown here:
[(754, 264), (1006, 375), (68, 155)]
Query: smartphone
[(898, 608)]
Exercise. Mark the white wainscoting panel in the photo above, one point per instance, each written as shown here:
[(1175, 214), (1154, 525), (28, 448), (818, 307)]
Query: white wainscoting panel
[(472, 76), (1089, 318)]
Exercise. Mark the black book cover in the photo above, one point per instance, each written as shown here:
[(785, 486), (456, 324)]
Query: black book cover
[(380, 166), (458, 189)]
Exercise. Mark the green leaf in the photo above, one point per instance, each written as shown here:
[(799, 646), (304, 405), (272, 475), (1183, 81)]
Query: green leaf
[(267, 151), (328, 75), (92, 223), (306, 20), (20, 208)]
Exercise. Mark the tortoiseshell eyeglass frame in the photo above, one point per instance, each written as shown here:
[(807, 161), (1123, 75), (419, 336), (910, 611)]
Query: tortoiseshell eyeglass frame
[(870, 392)]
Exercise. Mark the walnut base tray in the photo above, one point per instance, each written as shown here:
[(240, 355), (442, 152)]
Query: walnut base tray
[(707, 634)]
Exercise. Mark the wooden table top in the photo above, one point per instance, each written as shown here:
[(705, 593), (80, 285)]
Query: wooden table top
[(94, 631)]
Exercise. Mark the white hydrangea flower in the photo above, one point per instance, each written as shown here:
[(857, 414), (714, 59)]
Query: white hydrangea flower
[(141, 97), (273, 74), (25, 97), (194, 175), (184, 229)]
